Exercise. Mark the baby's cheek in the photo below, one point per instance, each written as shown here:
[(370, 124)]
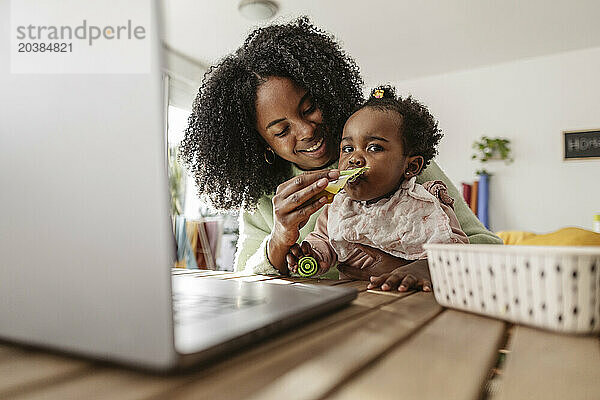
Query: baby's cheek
[(343, 163)]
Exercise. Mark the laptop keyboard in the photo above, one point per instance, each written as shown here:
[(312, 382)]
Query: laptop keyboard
[(188, 307)]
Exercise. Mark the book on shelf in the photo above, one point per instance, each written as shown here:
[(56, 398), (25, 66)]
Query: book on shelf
[(474, 190), (466, 192), (476, 195)]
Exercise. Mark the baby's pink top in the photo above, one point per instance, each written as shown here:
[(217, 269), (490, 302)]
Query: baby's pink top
[(399, 225)]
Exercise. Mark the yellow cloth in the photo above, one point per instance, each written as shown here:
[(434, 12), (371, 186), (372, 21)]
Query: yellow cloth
[(562, 237), (514, 237)]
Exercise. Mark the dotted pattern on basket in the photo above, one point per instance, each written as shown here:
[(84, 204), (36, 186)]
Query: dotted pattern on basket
[(558, 293)]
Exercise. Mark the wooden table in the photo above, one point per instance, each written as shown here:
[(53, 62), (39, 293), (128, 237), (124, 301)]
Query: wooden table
[(382, 346)]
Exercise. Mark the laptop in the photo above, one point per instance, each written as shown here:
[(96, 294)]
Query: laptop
[(86, 240)]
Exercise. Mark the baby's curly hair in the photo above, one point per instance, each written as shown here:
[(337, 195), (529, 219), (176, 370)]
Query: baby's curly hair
[(223, 149), (419, 130)]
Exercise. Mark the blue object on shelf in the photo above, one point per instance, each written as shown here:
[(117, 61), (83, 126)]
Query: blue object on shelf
[(184, 249), (483, 194)]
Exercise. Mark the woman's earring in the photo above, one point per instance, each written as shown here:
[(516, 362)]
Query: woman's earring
[(269, 159)]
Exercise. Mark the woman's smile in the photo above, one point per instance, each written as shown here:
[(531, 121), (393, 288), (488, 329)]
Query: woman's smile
[(316, 150)]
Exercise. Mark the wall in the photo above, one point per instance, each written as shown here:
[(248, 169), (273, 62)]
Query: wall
[(530, 102), (185, 77)]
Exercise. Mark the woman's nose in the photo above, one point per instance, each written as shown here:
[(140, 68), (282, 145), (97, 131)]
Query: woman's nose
[(306, 130)]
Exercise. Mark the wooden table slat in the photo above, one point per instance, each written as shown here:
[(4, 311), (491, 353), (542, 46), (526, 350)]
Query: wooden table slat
[(449, 358), (545, 365), (372, 300), (30, 369), (8, 353), (107, 384), (311, 368), (387, 292), (326, 282), (361, 286)]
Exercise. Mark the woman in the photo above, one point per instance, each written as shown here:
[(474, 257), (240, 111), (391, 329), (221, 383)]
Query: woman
[(264, 130)]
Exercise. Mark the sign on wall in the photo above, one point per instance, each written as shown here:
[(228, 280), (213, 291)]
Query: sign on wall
[(581, 144)]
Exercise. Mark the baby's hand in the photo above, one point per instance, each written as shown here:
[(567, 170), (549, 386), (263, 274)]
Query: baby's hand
[(297, 252), (411, 276)]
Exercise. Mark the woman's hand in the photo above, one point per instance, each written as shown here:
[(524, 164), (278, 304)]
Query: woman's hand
[(290, 212), (411, 276)]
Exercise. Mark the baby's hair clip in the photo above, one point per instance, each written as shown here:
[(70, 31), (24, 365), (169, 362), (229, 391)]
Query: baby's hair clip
[(378, 94)]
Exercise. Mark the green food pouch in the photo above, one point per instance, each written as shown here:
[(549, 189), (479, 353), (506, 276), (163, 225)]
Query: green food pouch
[(346, 176), (335, 186)]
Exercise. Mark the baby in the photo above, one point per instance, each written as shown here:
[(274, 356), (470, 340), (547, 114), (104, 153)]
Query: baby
[(384, 208)]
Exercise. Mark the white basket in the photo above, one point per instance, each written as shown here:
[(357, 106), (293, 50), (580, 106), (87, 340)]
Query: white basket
[(556, 288)]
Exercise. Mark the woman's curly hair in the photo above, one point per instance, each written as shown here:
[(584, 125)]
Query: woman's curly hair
[(223, 149), (419, 130)]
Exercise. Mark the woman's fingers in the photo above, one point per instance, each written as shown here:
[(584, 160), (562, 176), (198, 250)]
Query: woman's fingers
[(409, 282), (291, 210), (303, 213), (294, 193), (294, 185)]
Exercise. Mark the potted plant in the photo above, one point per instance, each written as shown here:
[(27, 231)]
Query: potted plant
[(487, 149)]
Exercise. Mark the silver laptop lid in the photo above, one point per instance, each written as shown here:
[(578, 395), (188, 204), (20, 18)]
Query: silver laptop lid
[(85, 240)]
